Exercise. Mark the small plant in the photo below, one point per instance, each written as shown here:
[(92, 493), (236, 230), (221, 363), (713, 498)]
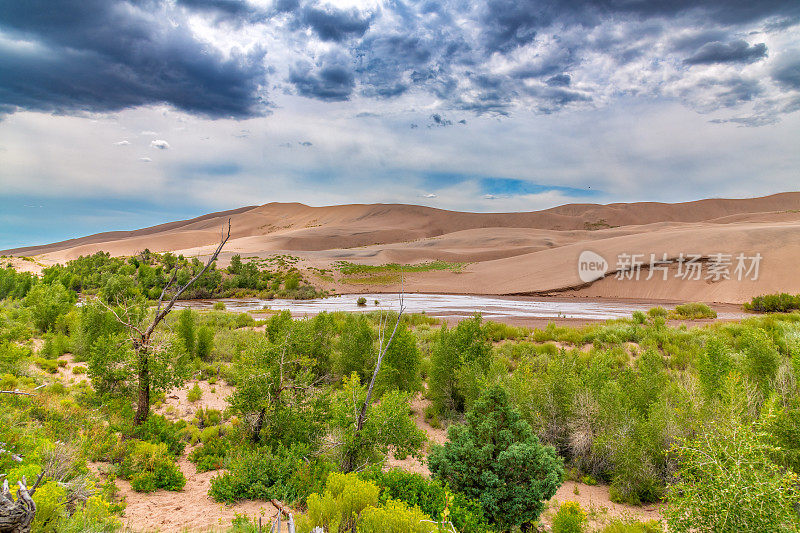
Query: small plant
[(361, 301), (195, 393), (693, 311), (570, 518), (219, 306), (79, 370)]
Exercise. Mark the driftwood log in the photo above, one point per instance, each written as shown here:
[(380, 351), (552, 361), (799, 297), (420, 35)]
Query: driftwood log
[(17, 516)]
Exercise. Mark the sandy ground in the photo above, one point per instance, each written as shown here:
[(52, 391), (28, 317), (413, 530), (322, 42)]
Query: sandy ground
[(505, 253), (594, 500)]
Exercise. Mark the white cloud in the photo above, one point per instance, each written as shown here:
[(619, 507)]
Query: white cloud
[(122, 143), (160, 144)]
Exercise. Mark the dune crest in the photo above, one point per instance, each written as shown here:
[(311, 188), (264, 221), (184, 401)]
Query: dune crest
[(506, 253)]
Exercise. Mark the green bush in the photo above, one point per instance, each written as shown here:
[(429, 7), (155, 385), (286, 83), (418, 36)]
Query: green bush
[(395, 517), (47, 303), (157, 429), (727, 481), (258, 474), (619, 525), (340, 506), (361, 301), (219, 306), (149, 467), (693, 311), (195, 393), (205, 343), (185, 330), (517, 473), (430, 496), (570, 518), (773, 303)]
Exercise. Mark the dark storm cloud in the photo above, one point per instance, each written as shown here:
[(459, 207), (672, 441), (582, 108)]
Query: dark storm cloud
[(332, 24), (71, 56), (99, 55), (508, 24), (787, 71), (732, 52), (233, 8), (332, 79)]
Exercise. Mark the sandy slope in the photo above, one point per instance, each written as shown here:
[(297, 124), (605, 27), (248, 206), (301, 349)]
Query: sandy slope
[(508, 253)]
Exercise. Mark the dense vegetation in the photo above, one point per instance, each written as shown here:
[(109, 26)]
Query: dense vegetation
[(148, 273), (706, 419), (774, 303)]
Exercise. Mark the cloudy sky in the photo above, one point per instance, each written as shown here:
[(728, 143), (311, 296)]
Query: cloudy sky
[(119, 114)]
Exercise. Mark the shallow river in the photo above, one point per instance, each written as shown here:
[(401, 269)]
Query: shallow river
[(439, 305)]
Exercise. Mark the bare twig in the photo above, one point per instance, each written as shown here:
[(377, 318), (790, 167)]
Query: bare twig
[(163, 313), (381, 352)]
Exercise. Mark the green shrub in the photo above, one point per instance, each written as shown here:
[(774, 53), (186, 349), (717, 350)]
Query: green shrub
[(185, 330), (620, 525), (51, 507), (430, 496), (496, 442), (340, 506), (773, 303), (157, 429), (195, 393), (727, 481), (395, 517), (570, 518), (149, 467), (78, 370), (47, 303), (205, 343), (258, 474), (219, 306), (693, 311), (658, 311), (361, 301)]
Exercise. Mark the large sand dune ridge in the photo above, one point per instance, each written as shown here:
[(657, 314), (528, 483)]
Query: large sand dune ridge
[(506, 253)]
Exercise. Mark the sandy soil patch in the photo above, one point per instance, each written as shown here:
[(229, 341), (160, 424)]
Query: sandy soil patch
[(177, 406), (595, 498)]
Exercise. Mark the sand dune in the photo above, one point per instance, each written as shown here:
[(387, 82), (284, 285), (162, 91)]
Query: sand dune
[(508, 253)]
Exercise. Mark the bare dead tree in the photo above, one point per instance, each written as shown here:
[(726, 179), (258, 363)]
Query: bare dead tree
[(382, 348), (141, 336), (17, 516)]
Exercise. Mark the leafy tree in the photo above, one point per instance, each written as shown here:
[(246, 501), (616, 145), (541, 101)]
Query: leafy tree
[(400, 368), (275, 394), (356, 347), (387, 426), (496, 459), (47, 303), (466, 347)]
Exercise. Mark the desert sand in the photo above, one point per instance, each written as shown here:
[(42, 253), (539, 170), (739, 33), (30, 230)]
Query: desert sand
[(526, 253)]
